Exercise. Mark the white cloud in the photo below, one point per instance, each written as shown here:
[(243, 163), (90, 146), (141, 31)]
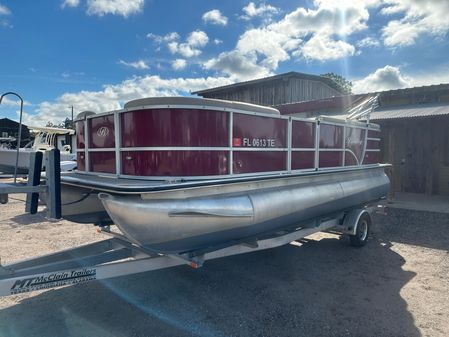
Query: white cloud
[(4, 10), (391, 77), (314, 34), (140, 64), (115, 7), (173, 36), (191, 47), (386, 78), (184, 49), (238, 66), (433, 76), (70, 3), (197, 38), (251, 10), (368, 42), (217, 41), (400, 34), (322, 48), (179, 64), (112, 97), (331, 17), (272, 45), (318, 33), (215, 17), (418, 18), (8, 101), (5, 23)]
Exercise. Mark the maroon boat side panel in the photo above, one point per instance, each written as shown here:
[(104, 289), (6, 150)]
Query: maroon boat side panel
[(259, 161), (330, 159), (80, 140), (355, 139), (372, 144), (101, 132), (194, 142), (259, 131), (81, 161), (371, 158), (303, 160), (350, 159), (103, 162), (373, 133), (331, 136), (174, 163), (303, 134), (174, 127)]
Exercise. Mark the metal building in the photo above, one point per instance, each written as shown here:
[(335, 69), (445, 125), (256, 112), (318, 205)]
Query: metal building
[(10, 128), (415, 133), (285, 88)]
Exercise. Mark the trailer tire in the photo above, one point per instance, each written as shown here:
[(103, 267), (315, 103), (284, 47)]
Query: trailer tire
[(362, 231)]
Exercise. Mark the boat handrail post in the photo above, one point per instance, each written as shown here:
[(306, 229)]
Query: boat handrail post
[(53, 177), (52, 187), (34, 177)]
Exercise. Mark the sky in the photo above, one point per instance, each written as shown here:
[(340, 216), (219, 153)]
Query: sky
[(98, 54)]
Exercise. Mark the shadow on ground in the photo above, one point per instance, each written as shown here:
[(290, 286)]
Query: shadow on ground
[(322, 288), (419, 228), (29, 219)]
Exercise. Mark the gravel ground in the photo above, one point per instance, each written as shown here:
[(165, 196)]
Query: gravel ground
[(398, 285)]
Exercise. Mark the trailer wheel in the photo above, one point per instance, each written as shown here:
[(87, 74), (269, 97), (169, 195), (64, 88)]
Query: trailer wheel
[(362, 231)]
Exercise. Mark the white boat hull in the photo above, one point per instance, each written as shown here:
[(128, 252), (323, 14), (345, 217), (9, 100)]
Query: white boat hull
[(8, 160)]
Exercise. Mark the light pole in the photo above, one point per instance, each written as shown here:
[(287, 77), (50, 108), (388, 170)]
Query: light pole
[(72, 115), (20, 129)]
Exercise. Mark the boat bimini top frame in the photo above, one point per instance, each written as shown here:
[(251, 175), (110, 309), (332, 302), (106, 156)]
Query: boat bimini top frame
[(118, 256)]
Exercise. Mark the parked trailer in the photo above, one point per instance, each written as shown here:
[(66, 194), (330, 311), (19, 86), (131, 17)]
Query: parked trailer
[(118, 256)]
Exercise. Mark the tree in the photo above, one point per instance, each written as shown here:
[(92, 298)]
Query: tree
[(342, 82), (65, 124)]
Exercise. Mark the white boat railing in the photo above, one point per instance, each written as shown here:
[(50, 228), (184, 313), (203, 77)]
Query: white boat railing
[(364, 108), (46, 138)]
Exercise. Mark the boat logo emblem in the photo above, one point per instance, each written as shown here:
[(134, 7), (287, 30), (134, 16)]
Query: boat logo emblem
[(103, 131)]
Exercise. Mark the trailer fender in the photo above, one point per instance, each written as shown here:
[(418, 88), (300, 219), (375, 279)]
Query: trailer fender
[(351, 220)]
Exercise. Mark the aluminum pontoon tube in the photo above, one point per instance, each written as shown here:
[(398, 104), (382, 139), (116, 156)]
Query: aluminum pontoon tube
[(180, 225)]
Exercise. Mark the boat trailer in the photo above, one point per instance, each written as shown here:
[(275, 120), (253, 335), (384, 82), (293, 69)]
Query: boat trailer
[(118, 256)]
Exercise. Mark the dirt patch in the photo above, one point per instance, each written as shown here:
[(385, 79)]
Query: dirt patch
[(398, 285)]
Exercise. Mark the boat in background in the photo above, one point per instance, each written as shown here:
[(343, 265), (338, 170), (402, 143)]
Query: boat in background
[(180, 174), (6, 142), (46, 138)]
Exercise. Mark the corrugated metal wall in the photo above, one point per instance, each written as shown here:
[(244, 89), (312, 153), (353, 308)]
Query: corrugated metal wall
[(278, 92)]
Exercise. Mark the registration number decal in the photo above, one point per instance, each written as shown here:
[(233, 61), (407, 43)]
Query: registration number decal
[(254, 142)]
